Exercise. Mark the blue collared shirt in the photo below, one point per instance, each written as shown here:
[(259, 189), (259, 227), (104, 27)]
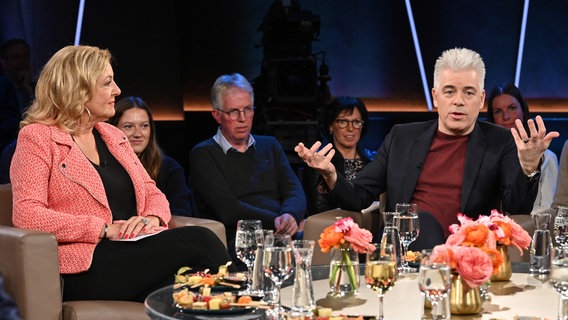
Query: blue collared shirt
[(226, 146)]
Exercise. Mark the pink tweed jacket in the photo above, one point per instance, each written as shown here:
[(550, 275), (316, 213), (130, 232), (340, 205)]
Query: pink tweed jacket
[(56, 189)]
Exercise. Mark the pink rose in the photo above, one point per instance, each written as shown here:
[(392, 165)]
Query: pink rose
[(474, 265), (344, 225), (520, 238), (359, 238)]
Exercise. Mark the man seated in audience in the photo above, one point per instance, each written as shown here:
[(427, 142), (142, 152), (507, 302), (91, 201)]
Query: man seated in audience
[(236, 175), (449, 165), (561, 194)]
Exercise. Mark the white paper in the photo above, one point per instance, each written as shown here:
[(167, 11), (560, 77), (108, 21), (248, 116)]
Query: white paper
[(138, 237)]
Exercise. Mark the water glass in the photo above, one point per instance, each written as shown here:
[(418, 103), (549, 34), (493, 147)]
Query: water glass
[(260, 284), (303, 302), (561, 226), (391, 236), (559, 279), (249, 234), (408, 226), (435, 280), (541, 245), (278, 263)]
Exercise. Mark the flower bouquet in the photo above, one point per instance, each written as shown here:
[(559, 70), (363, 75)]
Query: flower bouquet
[(473, 249), (346, 239)]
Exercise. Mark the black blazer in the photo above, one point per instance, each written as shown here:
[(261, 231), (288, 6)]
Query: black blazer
[(493, 177)]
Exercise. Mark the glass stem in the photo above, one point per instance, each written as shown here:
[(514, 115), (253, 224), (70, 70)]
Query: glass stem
[(279, 308), (404, 251), (380, 316), (249, 278)]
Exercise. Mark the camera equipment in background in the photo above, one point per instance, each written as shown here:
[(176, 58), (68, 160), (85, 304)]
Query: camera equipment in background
[(290, 87), (291, 90)]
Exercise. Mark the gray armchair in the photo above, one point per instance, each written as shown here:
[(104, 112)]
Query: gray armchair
[(30, 268)]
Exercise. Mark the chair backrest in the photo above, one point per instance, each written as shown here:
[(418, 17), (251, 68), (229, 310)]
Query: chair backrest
[(6, 205)]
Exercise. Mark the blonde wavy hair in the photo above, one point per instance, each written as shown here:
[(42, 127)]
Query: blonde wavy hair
[(65, 84)]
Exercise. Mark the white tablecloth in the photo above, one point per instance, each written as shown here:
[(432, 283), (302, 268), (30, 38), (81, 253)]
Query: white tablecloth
[(523, 296)]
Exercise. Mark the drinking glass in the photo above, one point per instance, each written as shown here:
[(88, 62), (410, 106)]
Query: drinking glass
[(259, 284), (278, 262), (561, 226), (541, 245), (434, 277), (303, 303), (408, 229), (391, 236), (249, 234), (381, 271), (559, 278)]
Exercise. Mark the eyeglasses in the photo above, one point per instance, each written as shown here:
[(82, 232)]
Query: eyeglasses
[(235, 113), (342, 123)]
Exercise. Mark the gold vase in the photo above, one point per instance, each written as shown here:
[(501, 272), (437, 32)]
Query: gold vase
[(505, 270), (463, 299)]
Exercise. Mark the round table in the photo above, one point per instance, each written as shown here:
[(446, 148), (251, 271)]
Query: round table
[(523, 296), (159, 305)]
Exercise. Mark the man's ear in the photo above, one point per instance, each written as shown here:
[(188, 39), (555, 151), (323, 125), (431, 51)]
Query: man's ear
[(216, 115), (434, 100)]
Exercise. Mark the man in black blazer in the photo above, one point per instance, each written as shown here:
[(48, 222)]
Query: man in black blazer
[(449, 165)]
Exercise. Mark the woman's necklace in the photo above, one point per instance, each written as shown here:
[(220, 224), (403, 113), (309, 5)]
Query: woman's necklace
[(92, 154)]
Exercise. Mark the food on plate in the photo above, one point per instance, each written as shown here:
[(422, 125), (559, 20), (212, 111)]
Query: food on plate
[(184, 277), (187, 299), (413, 256), (244, 299)]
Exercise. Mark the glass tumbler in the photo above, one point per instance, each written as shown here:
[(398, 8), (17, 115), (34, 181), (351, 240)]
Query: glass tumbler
[(303, 302), (541, 245)]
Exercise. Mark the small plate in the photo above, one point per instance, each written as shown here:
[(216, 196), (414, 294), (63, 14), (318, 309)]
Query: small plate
[(231, 310)]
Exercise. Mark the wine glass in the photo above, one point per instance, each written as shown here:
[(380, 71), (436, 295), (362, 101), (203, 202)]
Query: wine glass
[(381, 271), (408, 229), (249, 234), (559, 278), (561, 226), (278, 262), (434, 277)]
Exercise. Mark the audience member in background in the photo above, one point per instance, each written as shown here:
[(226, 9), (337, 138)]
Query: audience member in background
[(505, 104), (5, 159), (449, 165), (236, 175), (344, 121), (134, 118), (561, 194), (77, 177), (10, 114), (16, 65)]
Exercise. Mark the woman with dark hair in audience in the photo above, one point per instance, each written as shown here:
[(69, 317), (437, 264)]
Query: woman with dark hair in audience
[(506, 104), (134, 118), (343, 123), (77, 177)]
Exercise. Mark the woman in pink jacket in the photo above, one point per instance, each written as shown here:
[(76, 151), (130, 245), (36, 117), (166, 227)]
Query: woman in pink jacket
[(77, 177)]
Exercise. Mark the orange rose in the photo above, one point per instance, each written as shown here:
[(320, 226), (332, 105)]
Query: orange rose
[(506, 228), (495, 256), (330, 238), (475, 235)]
